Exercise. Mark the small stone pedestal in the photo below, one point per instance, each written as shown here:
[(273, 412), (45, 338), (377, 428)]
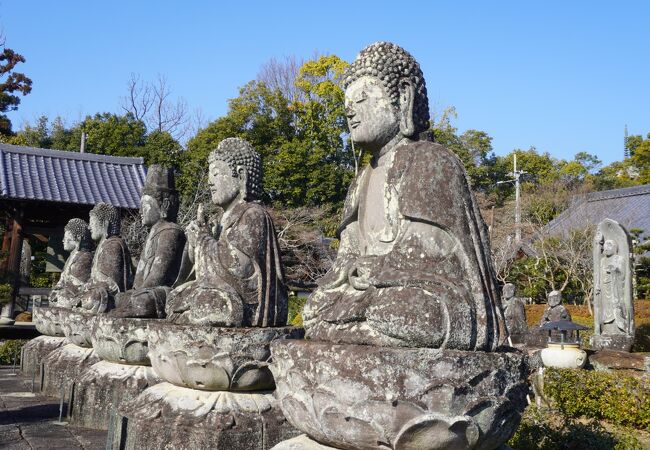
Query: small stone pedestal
[(168, 416), (616, 342), (367, 397), (33, 352), (121, 376), (102, 388), (62, 366)]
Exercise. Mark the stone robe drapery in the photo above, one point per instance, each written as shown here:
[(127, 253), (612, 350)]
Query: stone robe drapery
[(76, 272), (429, 186)]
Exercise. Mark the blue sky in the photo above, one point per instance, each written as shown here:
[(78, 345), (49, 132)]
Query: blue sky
[(561, 76)]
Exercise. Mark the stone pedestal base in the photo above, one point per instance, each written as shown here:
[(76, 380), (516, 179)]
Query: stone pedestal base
[(167, 416), (36, 350), (62, 366), (618, 342), (101, 388), (368, 397)]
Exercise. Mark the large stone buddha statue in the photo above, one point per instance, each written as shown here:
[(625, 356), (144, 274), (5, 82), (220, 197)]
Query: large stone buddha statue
[(76, 271), (160, 262), (413, 267), (239, 281)]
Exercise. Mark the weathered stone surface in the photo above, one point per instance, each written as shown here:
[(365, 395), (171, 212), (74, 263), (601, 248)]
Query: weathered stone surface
[(122, 340), (613, 305), (619, 360), (215, 358), (413, 267), (160, 263), (76, 271), (62, 366), (168, 416), (239, 280), (515, 314), (78, 327), (101, 388), (35, 350), (365, 397), (302, 442), (48, 320)]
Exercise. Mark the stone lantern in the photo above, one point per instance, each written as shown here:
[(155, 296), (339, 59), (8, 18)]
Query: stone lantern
[(563, 350)]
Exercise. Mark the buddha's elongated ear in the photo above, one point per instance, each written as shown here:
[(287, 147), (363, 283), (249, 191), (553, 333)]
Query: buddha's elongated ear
[(406, 99), (242, 173)]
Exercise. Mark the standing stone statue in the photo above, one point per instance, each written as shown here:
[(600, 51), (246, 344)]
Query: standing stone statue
[(112, 269), (239, 279), (160, 261), (515, 314), (613, 303), (410, 310), (76, 271)]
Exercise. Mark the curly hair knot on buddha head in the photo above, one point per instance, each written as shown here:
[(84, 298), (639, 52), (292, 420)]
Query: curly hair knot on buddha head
[(80, 232), (237, 153), (390, 63), (106, 213)]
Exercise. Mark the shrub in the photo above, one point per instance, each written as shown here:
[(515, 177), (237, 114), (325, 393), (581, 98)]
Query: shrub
[(11, 349), (5, 293), (295, 310), (614, 397), (544, 431)]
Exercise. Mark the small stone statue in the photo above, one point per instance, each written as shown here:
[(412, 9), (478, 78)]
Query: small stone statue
[(76, 271), (160, 262), (613, 305), (413, 267), (239, 281), (515, 313), (112, 269), (555, 310)]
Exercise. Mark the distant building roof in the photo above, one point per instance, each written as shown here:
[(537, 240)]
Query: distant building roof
[(628, 206), (70, 177)]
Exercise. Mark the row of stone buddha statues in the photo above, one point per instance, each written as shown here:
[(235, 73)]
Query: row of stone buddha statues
[(189, 276)]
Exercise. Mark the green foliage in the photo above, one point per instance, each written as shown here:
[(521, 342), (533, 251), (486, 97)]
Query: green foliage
[(642, 266), (619, 399), (5, 293), (11, 349), (540, 430), (11, 83), (295, 310)]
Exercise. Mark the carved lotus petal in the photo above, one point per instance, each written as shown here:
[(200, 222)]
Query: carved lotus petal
[(437, 432)]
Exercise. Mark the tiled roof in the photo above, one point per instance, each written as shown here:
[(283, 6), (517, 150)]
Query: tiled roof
[(70, 177), (628, 206)]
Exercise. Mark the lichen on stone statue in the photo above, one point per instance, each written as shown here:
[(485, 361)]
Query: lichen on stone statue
[(413, 267), (112, 270), (76, 270), (159, 267), (239, 279)]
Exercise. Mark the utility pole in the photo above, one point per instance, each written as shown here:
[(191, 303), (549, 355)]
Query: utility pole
[(516, 176)]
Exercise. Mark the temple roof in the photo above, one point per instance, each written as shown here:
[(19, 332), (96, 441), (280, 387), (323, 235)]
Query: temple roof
[(28, 173)]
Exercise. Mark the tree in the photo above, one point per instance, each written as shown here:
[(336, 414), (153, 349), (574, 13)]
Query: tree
[(11, 83)]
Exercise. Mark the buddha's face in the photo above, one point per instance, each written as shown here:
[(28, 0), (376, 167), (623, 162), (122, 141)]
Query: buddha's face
[(98, 228), (69, 242), (372, 119), (609, 247), (224, 188), (554, 298), (508, 291), (150, 210)]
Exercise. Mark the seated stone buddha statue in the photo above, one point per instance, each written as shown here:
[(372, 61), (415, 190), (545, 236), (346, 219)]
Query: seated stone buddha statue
[(76, 271), (413, 267), (160, 262), (112, 268), (239, 280)]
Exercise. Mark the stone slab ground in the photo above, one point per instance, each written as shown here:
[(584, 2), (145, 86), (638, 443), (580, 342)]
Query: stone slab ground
[(27, 419)]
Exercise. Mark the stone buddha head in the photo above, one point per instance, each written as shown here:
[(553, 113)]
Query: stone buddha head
[(235, 173), (385, 96), (104, 221), (159, 199), (508, 291), (76, 236), (554, 298), (609, 247)]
